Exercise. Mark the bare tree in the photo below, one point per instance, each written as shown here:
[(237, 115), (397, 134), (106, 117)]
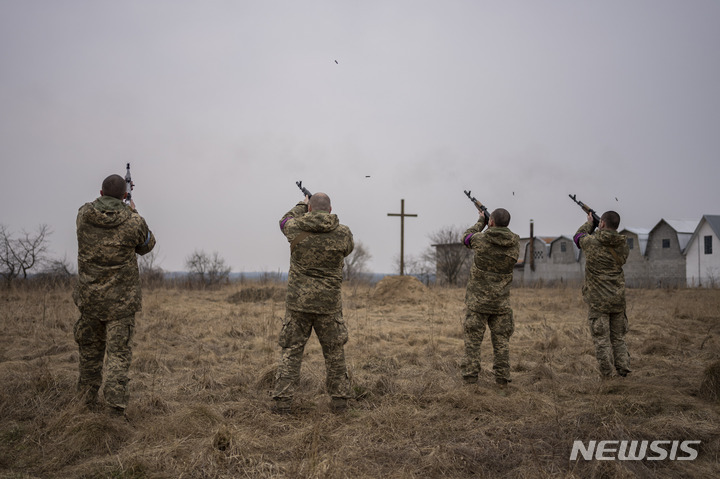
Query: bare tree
[(59, 267), (207, 270), (56, 272), (420, 267), (150, 271), (356, 262), (19, 255), (451, 257)]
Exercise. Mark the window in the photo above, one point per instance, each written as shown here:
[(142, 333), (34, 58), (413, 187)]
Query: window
[(631, 243), (538, 255), (563, 246), (666, 243), (708, 244)]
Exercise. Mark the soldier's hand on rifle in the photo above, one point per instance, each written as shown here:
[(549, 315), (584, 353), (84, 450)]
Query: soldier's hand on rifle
[(306, 200), (590, 218)]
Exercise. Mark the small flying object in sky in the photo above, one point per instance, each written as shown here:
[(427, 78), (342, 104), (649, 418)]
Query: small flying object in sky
[(337, 62), (367, 176), (616, 198)]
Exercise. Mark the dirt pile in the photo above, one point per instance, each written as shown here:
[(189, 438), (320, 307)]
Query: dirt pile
[(399, 289)]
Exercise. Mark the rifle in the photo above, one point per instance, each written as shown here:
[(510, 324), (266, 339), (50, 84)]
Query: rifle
[(303, 189), (586, 209), (481, 208), (128, 185)]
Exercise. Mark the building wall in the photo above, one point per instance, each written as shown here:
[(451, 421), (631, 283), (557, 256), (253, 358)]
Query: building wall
[(703, 269), (552, 265), (666, 264), (636, 267), (558, 256)]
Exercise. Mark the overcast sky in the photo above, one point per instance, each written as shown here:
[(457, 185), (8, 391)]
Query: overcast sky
[(220, 106)]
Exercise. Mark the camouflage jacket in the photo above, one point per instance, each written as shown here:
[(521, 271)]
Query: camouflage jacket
[(318, 247), (605, 254), (496, 253), (110, 234)]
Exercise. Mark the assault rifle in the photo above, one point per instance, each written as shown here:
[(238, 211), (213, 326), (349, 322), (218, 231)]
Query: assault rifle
[(481, 208), (303, 189), (586, 209), (128, 185)]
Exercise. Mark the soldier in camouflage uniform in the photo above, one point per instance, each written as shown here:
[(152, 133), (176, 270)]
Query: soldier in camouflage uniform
[(604, 290), (318, 247), (488, 294), (110, 235)]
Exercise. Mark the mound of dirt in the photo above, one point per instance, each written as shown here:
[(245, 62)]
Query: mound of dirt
[(399, 289)]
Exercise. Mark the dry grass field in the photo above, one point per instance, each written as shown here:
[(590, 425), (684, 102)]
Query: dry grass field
[(204, 363)]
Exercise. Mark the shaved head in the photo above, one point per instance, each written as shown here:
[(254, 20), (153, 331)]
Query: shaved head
[(611, 219), (114, 185), (501, 217), (320, 202)]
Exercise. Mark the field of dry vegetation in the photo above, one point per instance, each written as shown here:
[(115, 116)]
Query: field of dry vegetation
[(204, 363)]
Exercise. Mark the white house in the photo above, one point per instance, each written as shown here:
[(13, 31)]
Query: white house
[(702, 254)]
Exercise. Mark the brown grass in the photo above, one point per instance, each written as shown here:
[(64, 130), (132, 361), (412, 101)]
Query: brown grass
[(204, 363)]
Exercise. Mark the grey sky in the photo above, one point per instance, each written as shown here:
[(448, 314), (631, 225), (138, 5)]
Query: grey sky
[(220, 106)]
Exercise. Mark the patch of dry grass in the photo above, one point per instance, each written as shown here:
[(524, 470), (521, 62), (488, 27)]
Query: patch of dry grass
[(204, 363)]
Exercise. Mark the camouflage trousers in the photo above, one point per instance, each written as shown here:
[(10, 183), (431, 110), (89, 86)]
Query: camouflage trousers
[(109, 342), (332, 334), (608, 334), (501, 327)]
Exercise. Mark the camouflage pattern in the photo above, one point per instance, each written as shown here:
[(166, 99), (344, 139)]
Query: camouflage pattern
[(332, 334), (608, 334), (317, 260), (319, 245), (496, 253), (605, 254), (604, 291), (94, 337), (488, 297), (110, 234), (501, 327)]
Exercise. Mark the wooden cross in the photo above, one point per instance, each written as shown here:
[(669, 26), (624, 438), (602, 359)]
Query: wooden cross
[(402, 216)]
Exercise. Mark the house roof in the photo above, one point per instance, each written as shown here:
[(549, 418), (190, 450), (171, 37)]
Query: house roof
[(712, 220), (683, 226), (543, 239)]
